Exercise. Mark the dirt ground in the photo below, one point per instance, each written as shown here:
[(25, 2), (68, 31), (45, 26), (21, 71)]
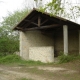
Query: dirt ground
[(67, 71)]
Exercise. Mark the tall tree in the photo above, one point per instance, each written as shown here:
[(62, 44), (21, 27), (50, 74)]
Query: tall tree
[(9, 40), (62, 8)]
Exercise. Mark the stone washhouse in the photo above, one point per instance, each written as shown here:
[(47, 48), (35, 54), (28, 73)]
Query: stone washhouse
[(43, 37)]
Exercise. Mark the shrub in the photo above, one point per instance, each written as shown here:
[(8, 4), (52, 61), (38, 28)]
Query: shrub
[(8, 46)]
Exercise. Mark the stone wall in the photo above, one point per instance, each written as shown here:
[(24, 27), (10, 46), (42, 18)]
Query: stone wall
[(43, 54), (33, 39)]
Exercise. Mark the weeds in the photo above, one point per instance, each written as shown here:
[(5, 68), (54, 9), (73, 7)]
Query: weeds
[(10, 59), (68, 58)]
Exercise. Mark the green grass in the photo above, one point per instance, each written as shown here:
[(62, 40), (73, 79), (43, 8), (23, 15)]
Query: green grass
[(15, 59)]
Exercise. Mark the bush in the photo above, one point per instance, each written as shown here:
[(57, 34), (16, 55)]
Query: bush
[(8, 46)]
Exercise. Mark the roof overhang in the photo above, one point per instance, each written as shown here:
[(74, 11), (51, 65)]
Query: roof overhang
[(37, 20)]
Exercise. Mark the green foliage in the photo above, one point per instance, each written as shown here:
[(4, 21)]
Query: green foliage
[(15, 17), (54, 7), (9, 40), (68, 58), (10, 59), (58, 8), (61, 53), (12, 19), (8, 46), (41, 9)]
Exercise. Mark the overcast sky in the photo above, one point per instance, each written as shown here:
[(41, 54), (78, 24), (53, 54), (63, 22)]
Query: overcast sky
[(9, 6), (12, 5)]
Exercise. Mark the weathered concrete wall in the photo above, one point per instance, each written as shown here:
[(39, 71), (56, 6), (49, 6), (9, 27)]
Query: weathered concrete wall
[(43, 54), (36, 39), (73, 42), (58, 42), (33, 39)]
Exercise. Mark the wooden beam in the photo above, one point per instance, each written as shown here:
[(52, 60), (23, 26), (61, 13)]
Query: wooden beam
[(31, 22), (44, 21), (55, 19), (19, 28), (50, 26), (43, 27)]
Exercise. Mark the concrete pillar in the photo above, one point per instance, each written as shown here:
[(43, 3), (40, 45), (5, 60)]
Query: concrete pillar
[(20, 39), (79, 42), (65, 39), (24, 51)]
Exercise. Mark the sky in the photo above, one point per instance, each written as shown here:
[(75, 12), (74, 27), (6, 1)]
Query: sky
[(9, 6), (12, 5)]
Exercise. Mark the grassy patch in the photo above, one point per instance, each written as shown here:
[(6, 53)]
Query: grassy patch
[(65, 59), (15, 59)]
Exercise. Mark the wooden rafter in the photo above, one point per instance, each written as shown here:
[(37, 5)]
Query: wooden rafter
[(43, 27), (31, 22), (19, 28), (50, 18), (44, 22)]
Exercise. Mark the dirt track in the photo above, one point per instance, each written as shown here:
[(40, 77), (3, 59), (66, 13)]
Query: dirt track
[(37, 73), (6, 74)]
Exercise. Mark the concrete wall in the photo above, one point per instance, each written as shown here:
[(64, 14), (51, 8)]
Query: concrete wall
[(33, 39), (58, 42), (73, 42), (43, 54), (36, 39)]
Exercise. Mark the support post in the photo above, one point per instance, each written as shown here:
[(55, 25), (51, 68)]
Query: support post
[(65, 39), (79, 42)]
